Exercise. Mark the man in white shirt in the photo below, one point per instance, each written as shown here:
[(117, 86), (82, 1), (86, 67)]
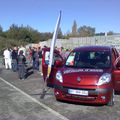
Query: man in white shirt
[(8, 60)]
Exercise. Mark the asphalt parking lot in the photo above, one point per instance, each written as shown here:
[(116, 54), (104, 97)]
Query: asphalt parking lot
[(20, 100)]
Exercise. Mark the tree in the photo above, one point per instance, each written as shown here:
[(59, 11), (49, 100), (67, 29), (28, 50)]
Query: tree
[(60, 35), (45, 36), (100, 34), (1, 29), (86, 31), (13, 31), (110, 33), (74, 29)]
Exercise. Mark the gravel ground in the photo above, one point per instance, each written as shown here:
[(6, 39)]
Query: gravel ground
[(33, 86)]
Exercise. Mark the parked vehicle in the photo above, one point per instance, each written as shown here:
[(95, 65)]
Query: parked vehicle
[(90, 74)]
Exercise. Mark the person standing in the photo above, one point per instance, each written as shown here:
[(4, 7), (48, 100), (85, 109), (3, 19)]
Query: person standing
[(67, 53), (40, 59), (7, 57), (29, 56), (23, 49), (21, 65), (14, 59), (36, 59), (33, 58)]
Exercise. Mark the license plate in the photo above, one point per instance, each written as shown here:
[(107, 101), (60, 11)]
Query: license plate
[(78, 92)]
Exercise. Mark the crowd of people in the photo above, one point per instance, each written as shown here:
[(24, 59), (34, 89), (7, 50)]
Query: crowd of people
[(17, 58)]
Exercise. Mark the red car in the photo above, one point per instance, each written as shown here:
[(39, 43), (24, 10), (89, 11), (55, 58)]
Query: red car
[(90, 74)]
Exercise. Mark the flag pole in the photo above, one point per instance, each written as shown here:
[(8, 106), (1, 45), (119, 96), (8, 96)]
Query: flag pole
[(52, 47)]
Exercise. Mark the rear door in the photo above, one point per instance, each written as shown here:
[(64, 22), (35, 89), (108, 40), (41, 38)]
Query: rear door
[(45, 62)]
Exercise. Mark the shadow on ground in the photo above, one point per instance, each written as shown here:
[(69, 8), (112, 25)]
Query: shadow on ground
[(29, 71)]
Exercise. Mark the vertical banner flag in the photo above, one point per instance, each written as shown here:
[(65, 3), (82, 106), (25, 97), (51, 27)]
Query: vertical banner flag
[(53, 44)]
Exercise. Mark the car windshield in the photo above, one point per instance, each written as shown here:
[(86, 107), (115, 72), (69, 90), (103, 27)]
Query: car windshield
[(89, 59)]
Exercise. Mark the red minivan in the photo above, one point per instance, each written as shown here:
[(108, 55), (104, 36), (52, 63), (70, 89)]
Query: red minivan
[(90, 74)]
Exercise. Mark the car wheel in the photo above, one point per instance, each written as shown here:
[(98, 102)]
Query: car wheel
[(111, 102)]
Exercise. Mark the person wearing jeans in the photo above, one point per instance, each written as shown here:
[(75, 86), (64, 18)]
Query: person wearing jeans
[(21, 65), (7, 58), (14, 59)]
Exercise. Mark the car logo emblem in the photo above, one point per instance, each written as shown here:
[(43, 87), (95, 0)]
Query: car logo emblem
[(78, 79)]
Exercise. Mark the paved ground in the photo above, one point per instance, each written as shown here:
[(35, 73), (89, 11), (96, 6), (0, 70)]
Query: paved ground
[(15, 105), (20, 100)]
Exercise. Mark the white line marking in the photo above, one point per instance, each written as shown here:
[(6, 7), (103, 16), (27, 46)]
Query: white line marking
[(36, 101)]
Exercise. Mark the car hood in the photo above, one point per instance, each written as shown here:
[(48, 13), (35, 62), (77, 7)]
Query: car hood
[(82, 77)]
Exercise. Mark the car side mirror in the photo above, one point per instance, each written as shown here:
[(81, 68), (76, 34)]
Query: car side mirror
[(58, 63)]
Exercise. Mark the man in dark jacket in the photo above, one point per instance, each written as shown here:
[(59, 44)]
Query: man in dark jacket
[(21, 65), (36, 59), (40, 60), (14, 59)]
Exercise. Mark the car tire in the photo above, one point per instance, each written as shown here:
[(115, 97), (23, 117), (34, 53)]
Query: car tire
[(111, 101)]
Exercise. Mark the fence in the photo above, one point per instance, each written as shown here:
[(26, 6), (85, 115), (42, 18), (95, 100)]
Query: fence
[(112, 40)]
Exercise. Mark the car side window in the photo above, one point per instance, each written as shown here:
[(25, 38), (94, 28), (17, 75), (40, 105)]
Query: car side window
[(56, 57), (70, 60)]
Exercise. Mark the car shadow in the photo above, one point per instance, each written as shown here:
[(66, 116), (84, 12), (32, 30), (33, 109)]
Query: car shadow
[(83, 104), (42, 94)]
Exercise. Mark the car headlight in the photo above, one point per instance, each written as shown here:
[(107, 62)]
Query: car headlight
[(104, 79), (59, 77)]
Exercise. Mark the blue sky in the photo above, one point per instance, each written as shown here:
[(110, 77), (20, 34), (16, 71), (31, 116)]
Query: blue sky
[(41, 15)]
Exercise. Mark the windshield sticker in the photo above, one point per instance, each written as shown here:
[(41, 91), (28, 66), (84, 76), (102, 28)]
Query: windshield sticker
[(81, 70)]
